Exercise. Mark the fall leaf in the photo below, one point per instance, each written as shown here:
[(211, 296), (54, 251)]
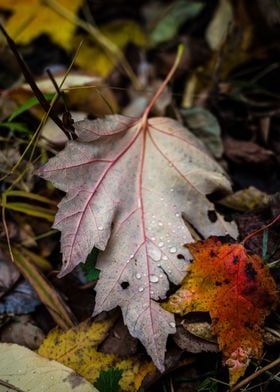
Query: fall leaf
[(246, 199), (82, 342), (237, 290), (23, 370), (31, 18), (129, 183), (92, 57)]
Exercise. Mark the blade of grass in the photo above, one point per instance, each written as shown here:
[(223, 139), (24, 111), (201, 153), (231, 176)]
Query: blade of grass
[(27, 209), (15, 126), (98, 37), (28, 105), (39, 261), (45, 291), (32, 196)]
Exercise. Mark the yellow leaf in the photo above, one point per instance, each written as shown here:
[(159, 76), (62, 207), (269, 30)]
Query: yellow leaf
[(92, 57), (77, 348), (31, 18)]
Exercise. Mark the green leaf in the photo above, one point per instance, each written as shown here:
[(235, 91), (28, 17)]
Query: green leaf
[(15, 126), (29, 104), (91, 273), (108, 381), (174, 16), (206, 127)]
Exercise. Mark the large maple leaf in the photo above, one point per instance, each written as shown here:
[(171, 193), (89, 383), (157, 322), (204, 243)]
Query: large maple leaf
[(130, 185), (237, 290)]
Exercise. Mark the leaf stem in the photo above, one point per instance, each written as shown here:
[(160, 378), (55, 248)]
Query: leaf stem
[(179, 55), (259, 230)]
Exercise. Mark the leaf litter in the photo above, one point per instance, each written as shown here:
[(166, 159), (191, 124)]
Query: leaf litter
[(131, 184)]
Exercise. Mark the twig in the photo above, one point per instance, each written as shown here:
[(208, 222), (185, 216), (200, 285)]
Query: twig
[(10, 386), (250, 378), (28, 76), (260, 230)]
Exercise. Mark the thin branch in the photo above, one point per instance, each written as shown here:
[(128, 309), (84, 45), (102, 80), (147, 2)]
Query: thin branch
[(250, 378), (28, 76)]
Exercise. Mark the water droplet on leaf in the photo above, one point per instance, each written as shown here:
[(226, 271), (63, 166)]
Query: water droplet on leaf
[(153, 279)]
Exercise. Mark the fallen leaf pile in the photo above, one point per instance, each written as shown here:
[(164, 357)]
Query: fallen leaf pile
[(131, 185), (237, 290)]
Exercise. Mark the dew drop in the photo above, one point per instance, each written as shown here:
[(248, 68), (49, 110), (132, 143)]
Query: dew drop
[(172, 324), (155, 253), (164, 257), (160, 244), (158, 264), (172, 249), (131, 257), (161, 276), (160, 223), (177, 214), (138, 276), (141, 289), (153, 279), (100, 228), (161, 198), (171, 190)]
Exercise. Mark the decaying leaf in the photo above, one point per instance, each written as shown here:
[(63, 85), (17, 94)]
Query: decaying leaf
[(31, 18), (246, 199), (9, 274), (23, 331), (237, 290), (77, 349), (129, 183), (21, 300), (23, 370)]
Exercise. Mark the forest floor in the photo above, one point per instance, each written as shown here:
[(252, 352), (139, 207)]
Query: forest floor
[(114, 55)]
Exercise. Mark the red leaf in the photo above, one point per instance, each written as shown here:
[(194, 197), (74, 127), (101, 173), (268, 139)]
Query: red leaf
[(237, 290)]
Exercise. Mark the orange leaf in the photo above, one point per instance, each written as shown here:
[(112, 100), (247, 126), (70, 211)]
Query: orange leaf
[(238, 292)]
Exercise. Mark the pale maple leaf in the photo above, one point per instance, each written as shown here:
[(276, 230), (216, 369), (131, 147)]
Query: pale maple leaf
[(129, 184)]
